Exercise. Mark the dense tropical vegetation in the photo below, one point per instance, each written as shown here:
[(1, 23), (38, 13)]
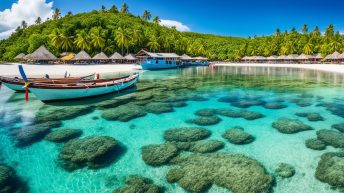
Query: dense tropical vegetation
[(113, 29)]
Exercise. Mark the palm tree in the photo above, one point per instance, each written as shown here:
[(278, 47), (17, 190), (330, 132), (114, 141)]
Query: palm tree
[(156, 20), (103, 9), (329, 31), (153, 43), (308, 48), (304, 29), (81, 41), (23, 24), (55, 38), (56, 14), (97, 40), (69, 14), (122, 39), (66, 41), (125, 8), (146, 15), (38, 20), (137, 36), (166, 43), (113, 9)]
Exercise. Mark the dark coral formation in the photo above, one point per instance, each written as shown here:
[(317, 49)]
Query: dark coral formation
[(206, 146), (302, 102), (123, 113), (339, 127), (315, 144), (10, 182), (332, 138), (63, 135), (92, 151), (274, 105), (237, 135), (246, 114), (159, 108), (290, 126), (158, 155), (57, 113), (311, 116), (246, 103), (205, 121), (186, 134), (139, 184), (235, 172), (206, 112), (334, 108), (330, 169), (285, 170), (33, 133)]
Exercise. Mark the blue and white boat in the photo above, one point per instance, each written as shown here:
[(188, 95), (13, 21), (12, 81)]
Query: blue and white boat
[(158, 61)]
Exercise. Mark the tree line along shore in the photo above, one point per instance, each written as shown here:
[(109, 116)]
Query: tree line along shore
[(117, 30)]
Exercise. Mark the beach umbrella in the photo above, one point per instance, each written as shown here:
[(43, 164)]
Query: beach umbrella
[(100, 56)]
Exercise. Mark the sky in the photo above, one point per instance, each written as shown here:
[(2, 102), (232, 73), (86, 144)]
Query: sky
[(242, 18)]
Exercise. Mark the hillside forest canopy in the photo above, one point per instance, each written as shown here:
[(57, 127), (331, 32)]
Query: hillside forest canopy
[(117, 30)]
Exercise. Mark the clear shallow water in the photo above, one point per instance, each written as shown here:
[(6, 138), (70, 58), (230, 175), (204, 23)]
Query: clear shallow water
[(37, 163)]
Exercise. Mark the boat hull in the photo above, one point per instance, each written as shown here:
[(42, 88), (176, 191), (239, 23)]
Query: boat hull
[(18, 87), (58, 94), (159, 66)]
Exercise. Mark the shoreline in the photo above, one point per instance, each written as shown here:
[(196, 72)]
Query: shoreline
[(36, 70), (58, 70), (334, 68)]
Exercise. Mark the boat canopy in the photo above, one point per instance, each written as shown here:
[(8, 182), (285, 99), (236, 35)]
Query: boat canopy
[(144, 53)]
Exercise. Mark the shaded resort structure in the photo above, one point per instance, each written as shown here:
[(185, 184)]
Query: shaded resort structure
[(336, 57), (43, 56)]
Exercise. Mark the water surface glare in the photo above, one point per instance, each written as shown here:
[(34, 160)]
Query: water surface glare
[(168, 99)]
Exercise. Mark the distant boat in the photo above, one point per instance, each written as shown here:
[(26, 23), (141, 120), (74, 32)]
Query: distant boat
[(68, 91), (158, 61), (17, 84)]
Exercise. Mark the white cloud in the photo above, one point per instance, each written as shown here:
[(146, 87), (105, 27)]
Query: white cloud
[(170, 23), (27, 10)]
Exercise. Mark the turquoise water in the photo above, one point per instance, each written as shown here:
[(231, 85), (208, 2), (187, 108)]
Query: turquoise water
[(37, 162)]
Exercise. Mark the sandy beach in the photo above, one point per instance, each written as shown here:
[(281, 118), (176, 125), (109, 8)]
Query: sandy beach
[(321, 67), (59, 70), (80, 70)]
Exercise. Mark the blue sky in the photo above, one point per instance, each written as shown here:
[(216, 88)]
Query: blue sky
[(235, 18)]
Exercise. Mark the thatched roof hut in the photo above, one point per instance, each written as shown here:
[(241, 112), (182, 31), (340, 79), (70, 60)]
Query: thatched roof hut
[(282, 57), (200, 58), (116, 56), (292, 57), (130, 57), (341, 56), (259, 58), (318, 56), (333, 56), (273, 57), (100, 56), (41, 54), (186, 57), (82, 55), (303, 57), (20, 56)]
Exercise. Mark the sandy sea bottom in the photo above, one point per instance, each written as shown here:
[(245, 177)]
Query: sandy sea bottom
[(37, 163)]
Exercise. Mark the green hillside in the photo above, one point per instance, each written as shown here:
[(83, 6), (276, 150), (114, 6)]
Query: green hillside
[(112, 30)]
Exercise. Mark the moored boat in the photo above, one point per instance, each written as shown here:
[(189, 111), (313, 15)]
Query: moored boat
[(56, 92), (17, 84), (157, 61)]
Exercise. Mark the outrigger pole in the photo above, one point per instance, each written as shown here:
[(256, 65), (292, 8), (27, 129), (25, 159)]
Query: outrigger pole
[(27, 83)]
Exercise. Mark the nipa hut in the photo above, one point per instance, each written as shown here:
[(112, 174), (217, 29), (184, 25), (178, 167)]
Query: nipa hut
[(41, 55), (20, 56), (117, 58), (131, 58), (332, 57), (186, 57), (82, 58)]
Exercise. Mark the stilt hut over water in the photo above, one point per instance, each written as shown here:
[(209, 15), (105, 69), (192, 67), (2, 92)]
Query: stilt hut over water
[(101, 58), (82, 58), (117, 58), (130, 58), (41, 56)]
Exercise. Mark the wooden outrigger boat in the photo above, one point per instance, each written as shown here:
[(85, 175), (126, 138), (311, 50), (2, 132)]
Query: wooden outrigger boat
[(18, 84), (68, 91)]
